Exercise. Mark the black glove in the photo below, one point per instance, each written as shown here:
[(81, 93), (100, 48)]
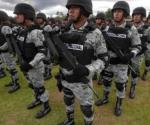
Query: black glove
[(81, 71), (127, 57), (25, 67)]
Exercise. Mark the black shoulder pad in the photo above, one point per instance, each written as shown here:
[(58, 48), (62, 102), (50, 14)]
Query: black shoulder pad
[(128, 25), (89, 27)]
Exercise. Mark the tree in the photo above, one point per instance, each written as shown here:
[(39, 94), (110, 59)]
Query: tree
[(108, 14)]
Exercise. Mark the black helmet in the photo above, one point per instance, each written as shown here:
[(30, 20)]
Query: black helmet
[(3, 16), (100, 15), (139, 10), (25, 9), (41, 15), (122, 5), (86, 4)]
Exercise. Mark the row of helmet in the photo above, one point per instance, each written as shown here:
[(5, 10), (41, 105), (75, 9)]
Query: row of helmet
[(29, 12)]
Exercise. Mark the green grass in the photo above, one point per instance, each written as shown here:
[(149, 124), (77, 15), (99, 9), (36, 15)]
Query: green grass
[(13, 106)]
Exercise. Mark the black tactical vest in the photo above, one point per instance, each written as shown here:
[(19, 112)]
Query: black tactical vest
[(28, 49), (82, 51), (118, 37)]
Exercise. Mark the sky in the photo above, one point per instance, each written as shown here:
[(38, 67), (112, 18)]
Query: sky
[(50, 7)]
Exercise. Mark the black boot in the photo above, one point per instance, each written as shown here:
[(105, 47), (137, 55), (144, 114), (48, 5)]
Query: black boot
[(104, 100), (34, 104), (118, 109), (45, 109), (144, 75), (88, 122), (9, 84), (69, 120), (14, 88), (132, 92)]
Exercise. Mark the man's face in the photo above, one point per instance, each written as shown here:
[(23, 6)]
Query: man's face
[(137, 18), (118, 15), (74, 13), (98, 21), (19, 18), (39, 21)]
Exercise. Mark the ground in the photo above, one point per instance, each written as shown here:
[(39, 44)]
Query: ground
[(13, 106)]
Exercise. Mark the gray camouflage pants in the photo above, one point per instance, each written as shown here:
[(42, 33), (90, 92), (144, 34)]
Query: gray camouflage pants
[(83, 94), (119, 72), (8, 59), (36, 77)]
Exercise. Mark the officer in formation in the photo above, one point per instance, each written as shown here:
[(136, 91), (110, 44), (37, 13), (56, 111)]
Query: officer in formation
[(88, 44), (123, 44), (6, 53), (30, 43), (41, 20), (143, 30), (100, 21)]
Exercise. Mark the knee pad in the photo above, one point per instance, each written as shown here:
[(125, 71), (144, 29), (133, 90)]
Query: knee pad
[(68, 97), (87, 110), (107, 76), (120, 86), (40, 90)]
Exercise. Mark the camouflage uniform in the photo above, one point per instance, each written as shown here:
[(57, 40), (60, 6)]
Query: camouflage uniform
[(147, 54), (78, 89), (47, 61), (2, 73), (123, 44), (30, 42), (8, 59)]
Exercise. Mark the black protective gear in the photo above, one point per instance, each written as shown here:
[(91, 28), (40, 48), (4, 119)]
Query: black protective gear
[(100, 15), (25, 67), (120, 86), (3, 16), (88, 113), (25, 9), (132, 92), (104, 100), (14, 88), (87, 110), (127, 57), (9, 84), (85, 4), (41, 15), (34, 104), (81, 71), (139, 10), (69, 120), (45, 109), (122, 5), (118, 109)]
